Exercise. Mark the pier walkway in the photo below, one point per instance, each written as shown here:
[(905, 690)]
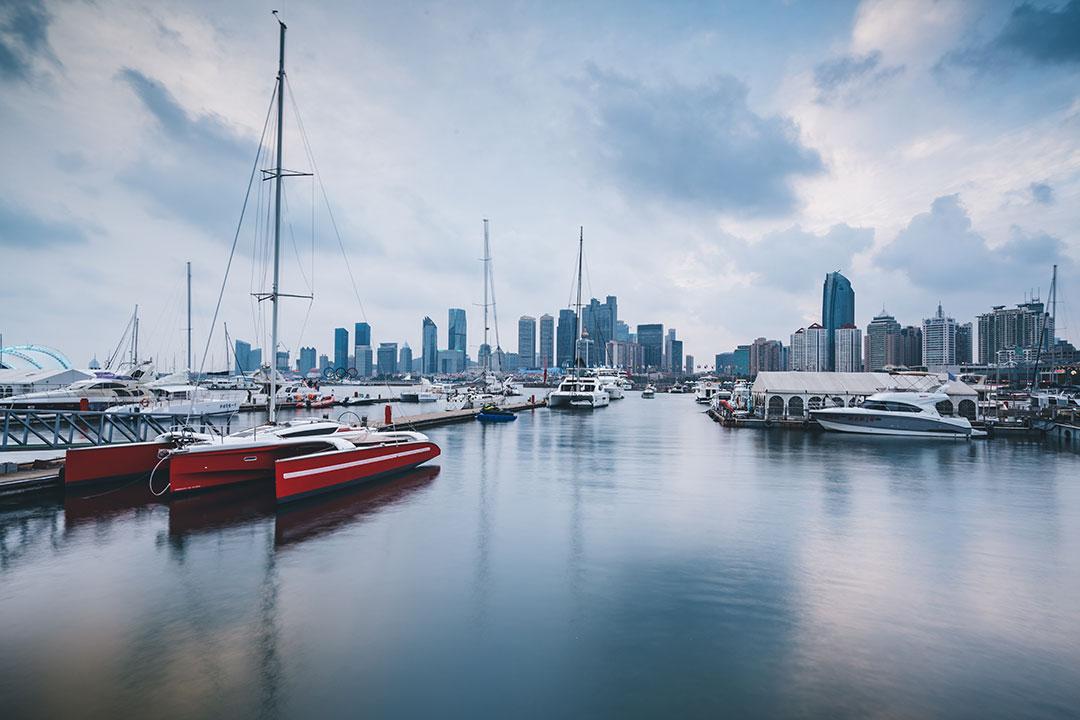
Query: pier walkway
[(62, 429)]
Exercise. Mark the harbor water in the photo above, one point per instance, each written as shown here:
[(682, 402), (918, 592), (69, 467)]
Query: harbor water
[(635, 561)]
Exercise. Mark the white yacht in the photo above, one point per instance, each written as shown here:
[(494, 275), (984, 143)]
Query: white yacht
[(611, 382), (912, 414), (579, 392), (649, 392), (705, 390), (183, 400), (97, 393)]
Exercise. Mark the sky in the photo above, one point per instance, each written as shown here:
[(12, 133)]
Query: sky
[(722, 157)]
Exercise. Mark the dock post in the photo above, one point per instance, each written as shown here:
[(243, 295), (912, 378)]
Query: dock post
[(388, 416)]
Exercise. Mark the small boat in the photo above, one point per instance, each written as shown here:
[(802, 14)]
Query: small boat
[(492, 413), (904, 413), (649, 392)]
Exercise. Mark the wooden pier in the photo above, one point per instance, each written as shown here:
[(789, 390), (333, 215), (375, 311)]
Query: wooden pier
[(448, 417)]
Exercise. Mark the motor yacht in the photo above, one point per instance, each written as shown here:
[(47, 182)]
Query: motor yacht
[(612, 382), (649, 392), (911, 414), (579, 392), (97, 393), (182, 400)]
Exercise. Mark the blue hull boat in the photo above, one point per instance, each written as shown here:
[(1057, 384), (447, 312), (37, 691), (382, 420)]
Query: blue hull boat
[(496, 416)]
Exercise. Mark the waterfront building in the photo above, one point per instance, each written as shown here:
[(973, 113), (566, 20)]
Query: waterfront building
[(362, 361), (430, 344), (676, 357), (817, 356), (451, 362), (387, 359), (567, 333), (622, 331), (361, 334), (625, 355), (241, 354), (546, 352), (527, 341), (878, 336), (964, 344), (847, 348), (651, 338), (797, 351), (483, 357), (324, 363), (405, 359), (689, 364), (724, 363), (341, 348), (1014, 328), (741, 360), (668, 339), (765, 355), (281, 361), (837, 309), (457, 333), (904, 348), (939, 341), (598, 319), (306, 361)]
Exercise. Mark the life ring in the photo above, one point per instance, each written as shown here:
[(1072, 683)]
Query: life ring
[(145, 402)]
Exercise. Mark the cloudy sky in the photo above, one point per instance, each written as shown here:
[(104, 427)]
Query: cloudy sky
[(722, 158)]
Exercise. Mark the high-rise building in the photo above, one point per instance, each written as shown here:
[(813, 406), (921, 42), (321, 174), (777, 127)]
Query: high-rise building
[(676, 356), (766, 355), (625, 355), (451, 362), (904, 348), (341, 348), (546, 352), (689, 364), (939, 341), (567, 333), (527, 341), (879, 333), (1014, 329), (622, 331), (651, 339), (724, 363), (306, 360), (362, 334), (405, 359), (324, 363), (963, 344), (281, 361), (598, 320), (808, 351), (797, 351), (668, 339), (741, 360), (837, 309), (457, 335), (242, 353), (430, 343), (362, 361), (387, 359), (847, 350)]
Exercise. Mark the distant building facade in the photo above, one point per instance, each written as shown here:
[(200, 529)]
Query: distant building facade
[(457, 337), (567, 333), (837, 310), (546, 351), (527, 341), (1006, 332), (429, 338), (341, 348), (939, 341), (878, 336), (387, 359), (405, 359), (651, 339), (847, 348)]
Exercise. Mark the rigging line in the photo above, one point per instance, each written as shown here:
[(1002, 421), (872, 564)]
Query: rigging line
[(232, 250), (292, 237)]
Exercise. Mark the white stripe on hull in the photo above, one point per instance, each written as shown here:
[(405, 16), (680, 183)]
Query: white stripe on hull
[(845, 428), (352, 464)]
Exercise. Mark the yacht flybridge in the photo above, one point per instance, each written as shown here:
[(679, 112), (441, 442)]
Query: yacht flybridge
[(578, 390), (911, 414), (301, 456)]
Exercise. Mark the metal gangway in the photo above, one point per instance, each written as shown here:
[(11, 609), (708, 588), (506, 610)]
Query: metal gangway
[(62, 429)]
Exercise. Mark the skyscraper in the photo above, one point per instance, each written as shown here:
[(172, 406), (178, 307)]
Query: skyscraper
[(527, 341), (307, 360), (939, 341), (242, 353), (904, 348), (963, 344), (362, 361), (766, 355), (668, 339), (567, 333), (1011, 329), (815, 351), (430, 344), (405, 359), (689, 364), (848, 348), (457, 335), (676, 357), (387, 359), (651, 339), (362, 334), (878, 335), (837, 309), (341, 348), (598, 320), (546, 352)]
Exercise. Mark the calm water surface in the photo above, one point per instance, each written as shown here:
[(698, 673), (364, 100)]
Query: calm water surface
[(640, 561)]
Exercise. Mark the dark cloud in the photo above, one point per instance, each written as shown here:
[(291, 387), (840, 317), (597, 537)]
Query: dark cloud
[(806, 256), (938, 250), (21, 229), (1042, 193), (24, 26), (1044, 35), (701, 145), (847, 76), (201, 165)]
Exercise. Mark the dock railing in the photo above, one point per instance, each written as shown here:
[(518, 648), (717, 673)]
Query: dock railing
[(62, 429)]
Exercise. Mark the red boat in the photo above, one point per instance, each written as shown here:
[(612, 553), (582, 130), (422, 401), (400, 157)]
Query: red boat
[(109, 462), (306, 475)]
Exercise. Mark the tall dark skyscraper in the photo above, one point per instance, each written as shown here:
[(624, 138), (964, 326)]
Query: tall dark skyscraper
[(837, 309), (341, 348), (651, 339), (564, 351), (430, 339), (457, 335), (362, 334), (545, 354)]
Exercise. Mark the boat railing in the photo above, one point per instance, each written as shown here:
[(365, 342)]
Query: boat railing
[(62, 429)]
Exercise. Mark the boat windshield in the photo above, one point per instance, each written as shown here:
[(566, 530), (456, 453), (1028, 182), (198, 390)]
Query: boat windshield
[(890, 406)]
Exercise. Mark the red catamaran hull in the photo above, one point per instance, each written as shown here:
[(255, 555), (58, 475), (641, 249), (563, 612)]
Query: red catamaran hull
[(299, 477), (108, 462), (227, 465)]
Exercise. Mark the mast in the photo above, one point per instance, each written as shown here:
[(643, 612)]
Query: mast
[(1048, 319), (577, 340), (487, 259), (189, 316), (277, 222), (135, 339)]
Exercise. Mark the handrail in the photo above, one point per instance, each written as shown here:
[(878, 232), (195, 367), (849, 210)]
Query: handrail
[(62, 429)]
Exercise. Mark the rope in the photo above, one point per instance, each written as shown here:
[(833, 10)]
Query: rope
[(151, 482)]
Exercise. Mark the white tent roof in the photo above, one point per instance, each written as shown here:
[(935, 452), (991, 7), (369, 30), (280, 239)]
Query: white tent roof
[(26, 376), (850, 383)]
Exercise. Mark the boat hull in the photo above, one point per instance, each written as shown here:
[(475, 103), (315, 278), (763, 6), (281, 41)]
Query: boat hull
[(585, 401), (867, 424), (299, 477), (108, 462), (203, 469)]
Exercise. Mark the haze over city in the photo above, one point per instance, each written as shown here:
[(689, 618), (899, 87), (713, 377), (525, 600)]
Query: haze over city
[(722, 159)]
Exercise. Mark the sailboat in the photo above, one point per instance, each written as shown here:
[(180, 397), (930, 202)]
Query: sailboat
[(303, 456), (577, 390)]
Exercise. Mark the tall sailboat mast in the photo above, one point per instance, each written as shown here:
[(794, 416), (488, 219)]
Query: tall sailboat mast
[(189, 316), (487, 259), (580, 255), (277, 222)]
